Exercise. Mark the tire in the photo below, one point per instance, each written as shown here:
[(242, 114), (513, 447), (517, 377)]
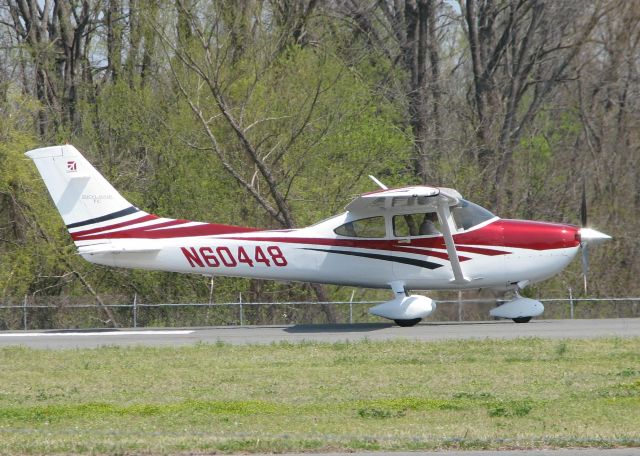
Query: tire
[(522, 319), (407, 323)]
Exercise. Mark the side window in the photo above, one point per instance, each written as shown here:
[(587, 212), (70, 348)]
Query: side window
[(372, 227), (425, 224)]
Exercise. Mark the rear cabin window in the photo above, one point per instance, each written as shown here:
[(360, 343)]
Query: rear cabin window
[(424, 224), (372, 227)]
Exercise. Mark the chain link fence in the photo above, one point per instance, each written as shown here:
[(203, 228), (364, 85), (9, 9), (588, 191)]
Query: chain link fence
[(60, 313)]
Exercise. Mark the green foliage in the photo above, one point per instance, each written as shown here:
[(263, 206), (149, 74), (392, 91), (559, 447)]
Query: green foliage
[(324, 101), (24, 208), (540, 164)]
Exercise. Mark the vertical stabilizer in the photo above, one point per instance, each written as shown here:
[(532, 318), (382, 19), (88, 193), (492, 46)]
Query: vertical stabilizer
[(81, 194)]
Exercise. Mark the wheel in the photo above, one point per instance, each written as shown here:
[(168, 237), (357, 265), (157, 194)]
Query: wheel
[(522, 319), (407, 323)]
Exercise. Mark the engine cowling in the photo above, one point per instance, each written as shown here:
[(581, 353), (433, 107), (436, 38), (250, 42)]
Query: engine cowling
[(518, 308), (405, 308)]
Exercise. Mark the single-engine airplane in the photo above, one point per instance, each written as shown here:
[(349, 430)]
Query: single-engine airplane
[(416, 237)]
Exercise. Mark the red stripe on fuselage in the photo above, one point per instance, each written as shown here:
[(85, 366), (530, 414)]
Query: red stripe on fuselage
[(508, 233), (148, 232), (98, 231), (481, 250), (389, 245), (500, 233), (430, 253), (142, 219), (164, 224)]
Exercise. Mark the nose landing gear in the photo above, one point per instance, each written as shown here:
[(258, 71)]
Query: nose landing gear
[(519, 310)]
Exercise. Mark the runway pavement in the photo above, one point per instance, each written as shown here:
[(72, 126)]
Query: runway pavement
[(554, 329)]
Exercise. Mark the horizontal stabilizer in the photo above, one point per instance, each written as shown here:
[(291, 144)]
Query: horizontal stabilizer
[(114, 247)]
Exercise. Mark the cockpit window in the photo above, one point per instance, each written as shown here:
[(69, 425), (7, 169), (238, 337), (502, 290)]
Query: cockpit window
[(424, 224), (372, 227), (467, 215)]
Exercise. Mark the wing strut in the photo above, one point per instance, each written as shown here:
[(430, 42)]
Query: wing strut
[(445, 214)]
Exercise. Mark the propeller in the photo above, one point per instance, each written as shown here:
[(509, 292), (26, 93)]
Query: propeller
[(583, 243), (588, 236)]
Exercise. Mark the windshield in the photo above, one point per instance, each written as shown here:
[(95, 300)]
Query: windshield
[(467, 214)]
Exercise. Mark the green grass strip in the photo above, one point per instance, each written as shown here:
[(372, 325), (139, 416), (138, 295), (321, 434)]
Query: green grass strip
[(400, 395)]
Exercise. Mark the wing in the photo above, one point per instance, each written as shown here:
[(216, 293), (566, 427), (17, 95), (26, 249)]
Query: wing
[(418, 196)]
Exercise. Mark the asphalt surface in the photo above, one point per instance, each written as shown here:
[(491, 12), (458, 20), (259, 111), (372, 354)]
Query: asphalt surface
[(552, 329)]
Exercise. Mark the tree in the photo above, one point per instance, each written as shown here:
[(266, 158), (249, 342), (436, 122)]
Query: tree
[(409, 36), (521, 51), (57, 36)]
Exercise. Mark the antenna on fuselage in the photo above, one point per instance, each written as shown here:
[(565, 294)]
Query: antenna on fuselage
[(380, 184)]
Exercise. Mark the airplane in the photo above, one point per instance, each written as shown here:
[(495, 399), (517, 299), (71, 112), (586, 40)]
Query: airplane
[(417, 237)]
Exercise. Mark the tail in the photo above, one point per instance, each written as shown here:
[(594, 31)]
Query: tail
[(97, 216), (84, 198)]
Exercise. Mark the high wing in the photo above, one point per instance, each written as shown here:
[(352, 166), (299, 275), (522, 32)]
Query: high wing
[(416, 196)]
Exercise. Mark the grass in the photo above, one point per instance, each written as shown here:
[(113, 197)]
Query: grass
[(400, 395)]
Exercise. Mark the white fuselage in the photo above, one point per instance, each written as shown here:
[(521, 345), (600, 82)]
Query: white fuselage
[(317, 254)]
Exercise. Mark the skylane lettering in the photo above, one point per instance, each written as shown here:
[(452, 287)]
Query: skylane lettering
[(230, 257)]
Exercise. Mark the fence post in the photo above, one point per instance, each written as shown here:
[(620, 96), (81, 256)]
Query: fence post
[(135, 310), (241, 312), (459, 305), (24, 312), (211, 291), (571, 302), (353, 292)]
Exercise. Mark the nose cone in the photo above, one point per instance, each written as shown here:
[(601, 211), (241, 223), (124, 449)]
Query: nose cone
[(592, 237)]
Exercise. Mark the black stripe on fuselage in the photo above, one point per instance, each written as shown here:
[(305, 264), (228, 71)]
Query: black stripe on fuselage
[(104, 218), (378, 256)]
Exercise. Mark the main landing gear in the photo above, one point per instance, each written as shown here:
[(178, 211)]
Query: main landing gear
[(408, 323), (404, 310)]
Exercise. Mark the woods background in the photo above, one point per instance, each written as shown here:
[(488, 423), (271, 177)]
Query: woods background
[(271, 114)]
